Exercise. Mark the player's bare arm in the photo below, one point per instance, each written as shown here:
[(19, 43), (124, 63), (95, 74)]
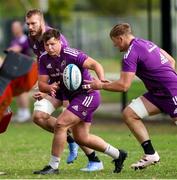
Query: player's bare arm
[(94, 65), (43, 83), (170, 58), (45, 87), (121, 85)]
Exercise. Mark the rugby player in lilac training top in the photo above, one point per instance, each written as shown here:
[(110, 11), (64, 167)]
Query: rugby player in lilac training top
[(79, 113), (41, 115), (20, 44), (44, 108), (156, 68)]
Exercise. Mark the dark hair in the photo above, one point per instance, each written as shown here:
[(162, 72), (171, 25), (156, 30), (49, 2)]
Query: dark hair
[(120, 29), (50, 34), (34, 12)]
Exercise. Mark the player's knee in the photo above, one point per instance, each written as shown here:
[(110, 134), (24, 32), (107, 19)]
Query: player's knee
[(135, 110), (125, 114), (39, 117), (62, 124), (129, 115)]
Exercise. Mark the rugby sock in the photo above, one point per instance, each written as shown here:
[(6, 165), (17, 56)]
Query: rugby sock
[(147, 147), (69, 138), (54, 162), (112, 151), (93, 157)]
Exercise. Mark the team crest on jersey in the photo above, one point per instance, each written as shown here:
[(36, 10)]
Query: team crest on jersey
[(63, 63)]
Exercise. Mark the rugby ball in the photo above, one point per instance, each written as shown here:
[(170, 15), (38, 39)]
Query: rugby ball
[(72, 77)]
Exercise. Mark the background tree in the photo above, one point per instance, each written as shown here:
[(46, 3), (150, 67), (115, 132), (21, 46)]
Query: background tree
[(16, 8), (59, 10), (119, 7)]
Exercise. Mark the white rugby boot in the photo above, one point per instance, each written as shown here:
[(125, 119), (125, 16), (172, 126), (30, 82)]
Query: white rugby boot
[(146, 160)]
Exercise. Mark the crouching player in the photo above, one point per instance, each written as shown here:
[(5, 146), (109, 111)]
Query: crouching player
[(42, 113), (82, 104)]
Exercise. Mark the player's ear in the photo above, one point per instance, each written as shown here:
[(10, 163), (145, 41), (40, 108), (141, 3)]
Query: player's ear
[(120, 38)]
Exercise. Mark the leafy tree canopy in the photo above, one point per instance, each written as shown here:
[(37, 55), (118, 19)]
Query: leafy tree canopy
[(119, 7)]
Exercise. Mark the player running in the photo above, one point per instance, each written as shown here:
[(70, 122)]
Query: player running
[(156, 68)]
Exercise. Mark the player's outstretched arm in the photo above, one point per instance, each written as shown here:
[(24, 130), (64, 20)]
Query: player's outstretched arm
[(92, 64), (120, 85)]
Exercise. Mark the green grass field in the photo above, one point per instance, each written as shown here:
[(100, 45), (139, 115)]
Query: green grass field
[(25, 147)]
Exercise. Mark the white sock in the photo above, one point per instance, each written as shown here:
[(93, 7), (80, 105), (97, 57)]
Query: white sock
[(54, 162), (24, 112), (112, 151)]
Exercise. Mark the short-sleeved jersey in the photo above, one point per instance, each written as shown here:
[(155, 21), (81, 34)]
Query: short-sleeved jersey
[(23, 43), (151, 66), (54, 67), (38, 46)]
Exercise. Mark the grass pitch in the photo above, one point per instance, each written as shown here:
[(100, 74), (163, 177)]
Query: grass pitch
[(25, 147)]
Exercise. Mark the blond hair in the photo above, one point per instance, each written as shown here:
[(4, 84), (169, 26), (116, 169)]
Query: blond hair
[(35, 12), (120, 29)]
